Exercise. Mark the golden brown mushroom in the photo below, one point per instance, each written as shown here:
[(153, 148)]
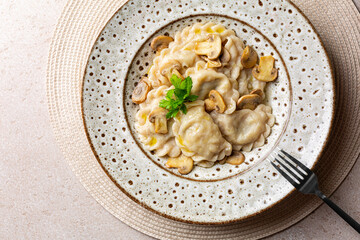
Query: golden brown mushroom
[(211, 47), (161, 42), (216, 97), (265, 71), (183, 164), (211, 63), (249, 101), (225, 57), (236, 158), (209, 105), (140, 92), (258, 92), (158, 117), (171, 67), (249, 57), (223, 161)]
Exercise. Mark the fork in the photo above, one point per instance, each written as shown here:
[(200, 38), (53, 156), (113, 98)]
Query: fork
[(304, 180)]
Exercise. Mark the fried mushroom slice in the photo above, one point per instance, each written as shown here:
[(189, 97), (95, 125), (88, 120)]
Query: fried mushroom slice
[(211, 63), (158, 117), (249, 101), (218, 100), (171, 67), (225, 57), (209, 105), (140, 92), (183, 164), (223, 161), (265, 71), (258, 92), (249, 57), (161, 42), (236, 158), (211, 47)]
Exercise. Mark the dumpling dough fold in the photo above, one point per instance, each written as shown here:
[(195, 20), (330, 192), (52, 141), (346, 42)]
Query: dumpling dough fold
[(199, 137)]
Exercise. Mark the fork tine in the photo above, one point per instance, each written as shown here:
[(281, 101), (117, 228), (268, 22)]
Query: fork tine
[(302, 166), (288, 170), (292, 166), (285, 175)]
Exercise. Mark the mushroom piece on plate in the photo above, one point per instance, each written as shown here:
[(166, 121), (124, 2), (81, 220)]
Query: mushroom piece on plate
[(140, 92), (218, 101), (225, 56), (249, 57), (258, 92), (183, 164), (236, 158), (265, 71), (171, 67), (161, 42), (211, 47), (158, 117), (249, 101)]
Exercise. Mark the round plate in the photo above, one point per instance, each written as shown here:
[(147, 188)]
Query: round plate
[(302, 100)]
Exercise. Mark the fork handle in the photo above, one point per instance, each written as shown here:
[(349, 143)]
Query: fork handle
[(340, 212)]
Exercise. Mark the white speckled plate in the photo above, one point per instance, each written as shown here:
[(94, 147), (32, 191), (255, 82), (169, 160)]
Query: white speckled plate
[(302, 100)]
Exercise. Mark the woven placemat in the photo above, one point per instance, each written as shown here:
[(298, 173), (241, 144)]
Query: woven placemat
[(338, 24)]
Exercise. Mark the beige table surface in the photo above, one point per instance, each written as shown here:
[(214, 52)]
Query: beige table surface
[(40, 197)]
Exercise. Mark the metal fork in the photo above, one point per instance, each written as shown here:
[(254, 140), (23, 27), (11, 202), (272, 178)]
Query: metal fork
[(304, 180)]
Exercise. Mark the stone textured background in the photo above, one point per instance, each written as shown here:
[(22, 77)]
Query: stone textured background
[(40, 198)]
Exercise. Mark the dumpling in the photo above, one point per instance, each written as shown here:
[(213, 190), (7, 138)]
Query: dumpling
[(234, 46), (199, 137), (247, 82), (243, 82), (163, 144), (168, 59), (181, 51), (206, 138), (205, 80), (246, 129)]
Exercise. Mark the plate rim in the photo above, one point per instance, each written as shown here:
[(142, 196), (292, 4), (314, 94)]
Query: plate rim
[(333, 105)]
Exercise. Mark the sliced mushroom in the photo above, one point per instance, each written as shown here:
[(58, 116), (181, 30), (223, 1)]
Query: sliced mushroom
[(258, 92), (171, 67), (158, 117), (249, 101), (225, 42), (236, 158), (211, 47), (183, 164), (225, 57), (161, 42), (211, 63), (218, 100), (265, 71), (209, 105), (249, 57), (177, 73), (223, 161), (140, 92), (205, 164)]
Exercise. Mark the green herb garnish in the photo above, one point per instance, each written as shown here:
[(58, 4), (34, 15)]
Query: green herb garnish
[(176, 98)]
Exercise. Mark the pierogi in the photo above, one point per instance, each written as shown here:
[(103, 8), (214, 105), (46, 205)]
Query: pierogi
[(229, 115)]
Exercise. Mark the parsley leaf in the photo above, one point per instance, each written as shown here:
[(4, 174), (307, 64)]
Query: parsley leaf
[(188, 85), (175, 99), (192, 98), (176, 81)]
